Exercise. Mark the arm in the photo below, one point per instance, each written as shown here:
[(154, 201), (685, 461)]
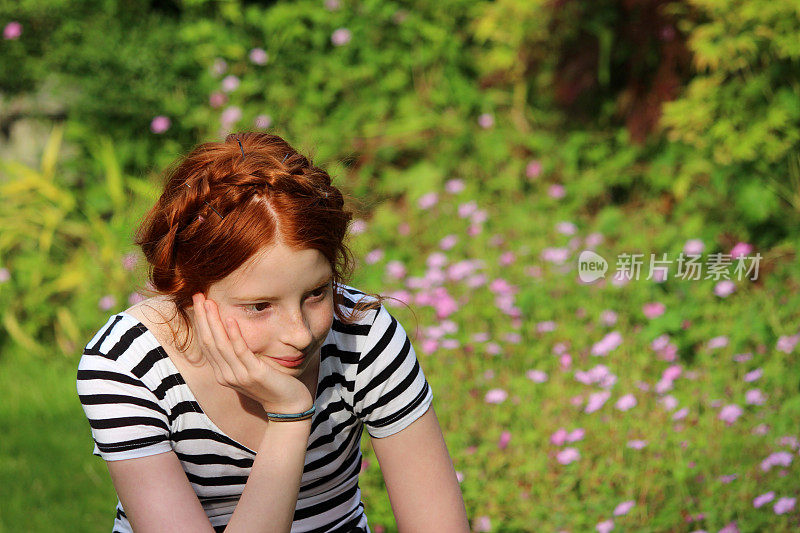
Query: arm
[(157, 496), (420, 478)]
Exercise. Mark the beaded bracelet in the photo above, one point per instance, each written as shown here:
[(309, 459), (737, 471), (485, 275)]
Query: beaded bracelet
[(279, 417)]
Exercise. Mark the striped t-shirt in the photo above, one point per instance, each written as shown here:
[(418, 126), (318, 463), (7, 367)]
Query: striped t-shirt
[(138, 404)]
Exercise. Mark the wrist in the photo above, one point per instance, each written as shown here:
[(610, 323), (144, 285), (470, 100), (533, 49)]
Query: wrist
[(288, 409)]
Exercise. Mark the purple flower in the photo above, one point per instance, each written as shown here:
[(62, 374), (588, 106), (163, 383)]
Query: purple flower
[(566, 228), (486, 121), (12, 31), (784, 505), (505, 438), (637, 444), (332, 5), (483, 524), (763, 499), (263, 122), (358, 227), (680, 414), (533, 169), (730, 413), (495, 396), (608, 317), (129, 261), (467, 209), (717, 342), (786, 343), (669, 402), (624, 507), (724, 288), (568, 455), (341, 37), (575, 435), (559, 437), (259, 56), (555, 255), (776, 459), (230, 83), (5, 275), (219, 67), (448, 242), (159, 124)]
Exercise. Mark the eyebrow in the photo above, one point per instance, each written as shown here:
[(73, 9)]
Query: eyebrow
[(327, 280)]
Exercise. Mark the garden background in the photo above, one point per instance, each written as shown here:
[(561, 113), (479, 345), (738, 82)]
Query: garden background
[(487, 144)]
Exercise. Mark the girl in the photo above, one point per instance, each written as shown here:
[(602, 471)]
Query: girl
[(253, 421)]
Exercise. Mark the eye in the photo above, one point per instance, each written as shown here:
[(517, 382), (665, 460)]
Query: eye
[(251, 309), (320, 292)]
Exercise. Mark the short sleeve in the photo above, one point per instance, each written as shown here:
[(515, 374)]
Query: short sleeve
[(390, 389), (125, 416)]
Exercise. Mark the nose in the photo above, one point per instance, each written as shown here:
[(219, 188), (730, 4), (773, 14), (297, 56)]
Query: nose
[(296, 331)]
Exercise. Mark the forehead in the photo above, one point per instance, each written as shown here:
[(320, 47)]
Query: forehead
[(277, 271)]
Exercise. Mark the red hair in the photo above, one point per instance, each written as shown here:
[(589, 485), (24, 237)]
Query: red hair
[(219, 209)]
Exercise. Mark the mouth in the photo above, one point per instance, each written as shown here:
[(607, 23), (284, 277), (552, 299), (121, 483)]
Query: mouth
[(289, 363)]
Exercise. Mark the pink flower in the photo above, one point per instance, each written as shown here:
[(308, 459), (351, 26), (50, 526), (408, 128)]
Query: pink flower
[(537, 376), (358, 226), (486, 121), (495, 396), (763, 499), (606, 344), (637, 444), (566, 228), (259, 56), (395, 269), (483, 524), (753, 375), (755, 397), (262, 122), (481, 336), (728, 478), (786, 343), (506, 258), (217, 99), (596, 401), (624, 507), (776, 459), (605, 526), (219, 67), (717, 342), (575, 435), (608, 317), (374, 256), (12, 31), (230, 116), (448, 242), (492, 348), (680, 414), (741, 248), (428, 200), (568, 455), (403, 296), (107, 302), (653, 309), (594, 239), (784, 505), (555, 255), (556, 191), (626, 402), (669, 402), (742, 357), (559, 437), (533, 169), (341, 36), (429, 345), (230, 83), (724, 288), (467, 209), (693, 247), (332, 5), (730, 413), (454, 186), (159, 124), (505, 437)]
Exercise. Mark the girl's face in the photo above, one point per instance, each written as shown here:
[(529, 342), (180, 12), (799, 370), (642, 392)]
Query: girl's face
[(282, 300)]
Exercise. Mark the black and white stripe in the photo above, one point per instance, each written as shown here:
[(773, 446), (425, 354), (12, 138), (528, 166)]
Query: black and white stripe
[(138, 404)]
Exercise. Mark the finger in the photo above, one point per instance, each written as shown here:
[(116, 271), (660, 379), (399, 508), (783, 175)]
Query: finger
[(207, 339), (223, 343), (240, 348)]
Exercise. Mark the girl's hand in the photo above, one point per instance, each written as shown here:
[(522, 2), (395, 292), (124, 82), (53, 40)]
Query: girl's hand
[(235, 366)]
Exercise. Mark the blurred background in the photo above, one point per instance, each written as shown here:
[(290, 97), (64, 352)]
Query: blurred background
[(488, 144)]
